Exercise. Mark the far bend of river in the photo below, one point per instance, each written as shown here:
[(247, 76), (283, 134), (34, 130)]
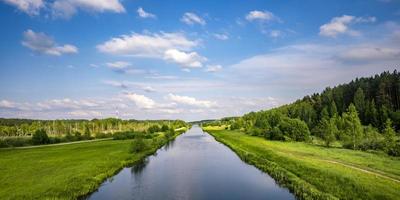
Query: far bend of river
[(193, 166)]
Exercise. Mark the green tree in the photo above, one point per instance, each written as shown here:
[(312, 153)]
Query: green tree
[(138, 145), (329, 131), (333, 109), (40, 137), (352, 126), (359, 102), (390, 136)]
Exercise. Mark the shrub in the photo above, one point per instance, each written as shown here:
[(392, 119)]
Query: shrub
[(164, 128), (40, 137), (153, 129), (138, 145)]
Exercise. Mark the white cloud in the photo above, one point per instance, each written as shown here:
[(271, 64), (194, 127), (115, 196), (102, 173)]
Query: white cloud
[(297, 70), (149, 89), (341, 25), (85, 114), (30, 7), (190, 101), (141, 101), (67, 8), (257, 15), (118, 65), (275, 33), (7, 104), (370, 53), (221, 36), (213, 68), (42, 43), (143, 14), (186, 60), (191, 19), (146, 45)]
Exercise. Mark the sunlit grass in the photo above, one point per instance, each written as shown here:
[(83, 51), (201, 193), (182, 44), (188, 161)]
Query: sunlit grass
[(63, 172), (334, 171)]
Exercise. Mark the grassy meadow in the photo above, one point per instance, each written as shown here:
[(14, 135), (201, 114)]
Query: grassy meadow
[(316, 172), (66, 171)]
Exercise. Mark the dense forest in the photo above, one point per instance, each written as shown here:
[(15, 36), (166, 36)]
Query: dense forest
[(363, 114)]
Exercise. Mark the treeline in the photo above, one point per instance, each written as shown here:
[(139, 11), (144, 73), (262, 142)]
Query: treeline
[(26, 127), (16, 133), (363, 114)]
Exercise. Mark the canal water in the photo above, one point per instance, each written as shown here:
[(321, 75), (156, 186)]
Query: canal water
[(193, 166)]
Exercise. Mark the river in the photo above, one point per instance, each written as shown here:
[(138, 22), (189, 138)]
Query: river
[(193, 166)]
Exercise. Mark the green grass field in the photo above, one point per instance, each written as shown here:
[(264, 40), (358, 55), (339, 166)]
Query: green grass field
[(65, 171), (314, 172)]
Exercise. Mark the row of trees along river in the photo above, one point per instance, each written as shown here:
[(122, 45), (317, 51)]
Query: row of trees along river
[(363, 114)]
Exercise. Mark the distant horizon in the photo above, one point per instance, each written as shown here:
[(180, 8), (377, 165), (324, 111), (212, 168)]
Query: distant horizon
[(185, 60)]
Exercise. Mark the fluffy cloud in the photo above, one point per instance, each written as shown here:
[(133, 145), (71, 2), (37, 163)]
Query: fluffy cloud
[(146, 45), (297, 70), (67, 8), (213, 68), (143, 14), (186, 60), (370, 53), (30, 7), (340, 25), (191, 19), (7, 104), (141, 101), (257, 15), (190, 101), (221, 36), (42, 43)]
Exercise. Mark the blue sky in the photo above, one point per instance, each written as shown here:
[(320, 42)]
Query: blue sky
[(185, 59)]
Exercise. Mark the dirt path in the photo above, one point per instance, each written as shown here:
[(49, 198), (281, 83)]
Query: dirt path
[(363, 170), (58, 144)]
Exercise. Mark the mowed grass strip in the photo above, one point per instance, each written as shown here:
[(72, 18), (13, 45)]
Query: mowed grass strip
[(313, 165), (62, 172)]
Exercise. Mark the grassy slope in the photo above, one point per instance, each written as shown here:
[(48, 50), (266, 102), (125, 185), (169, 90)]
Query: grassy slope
[(338, 172), (62, 172)]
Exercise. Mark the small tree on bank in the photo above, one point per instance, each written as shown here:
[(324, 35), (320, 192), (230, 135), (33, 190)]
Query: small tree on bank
[(40, 137)]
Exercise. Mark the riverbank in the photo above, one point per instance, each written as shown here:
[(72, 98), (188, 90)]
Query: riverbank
[(313, 172), (66, 171)]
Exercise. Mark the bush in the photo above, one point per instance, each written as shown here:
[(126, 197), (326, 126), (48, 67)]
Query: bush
[(169, 134), (124, 135), (138, 145), (15, 142), (40, 137), (164, 128), (275, 134), (395, 151), (153, 129), (295, 129)]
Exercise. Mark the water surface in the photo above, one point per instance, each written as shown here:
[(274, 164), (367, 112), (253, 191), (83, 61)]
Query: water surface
[(193, 166)]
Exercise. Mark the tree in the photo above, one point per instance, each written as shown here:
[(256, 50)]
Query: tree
[(87, 132), (390, 136), (352, 126), (371, 114), (40, 137), (359, 102), (333, 109), (138, 145), (329, 130), (164, 128), (295, 129)]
